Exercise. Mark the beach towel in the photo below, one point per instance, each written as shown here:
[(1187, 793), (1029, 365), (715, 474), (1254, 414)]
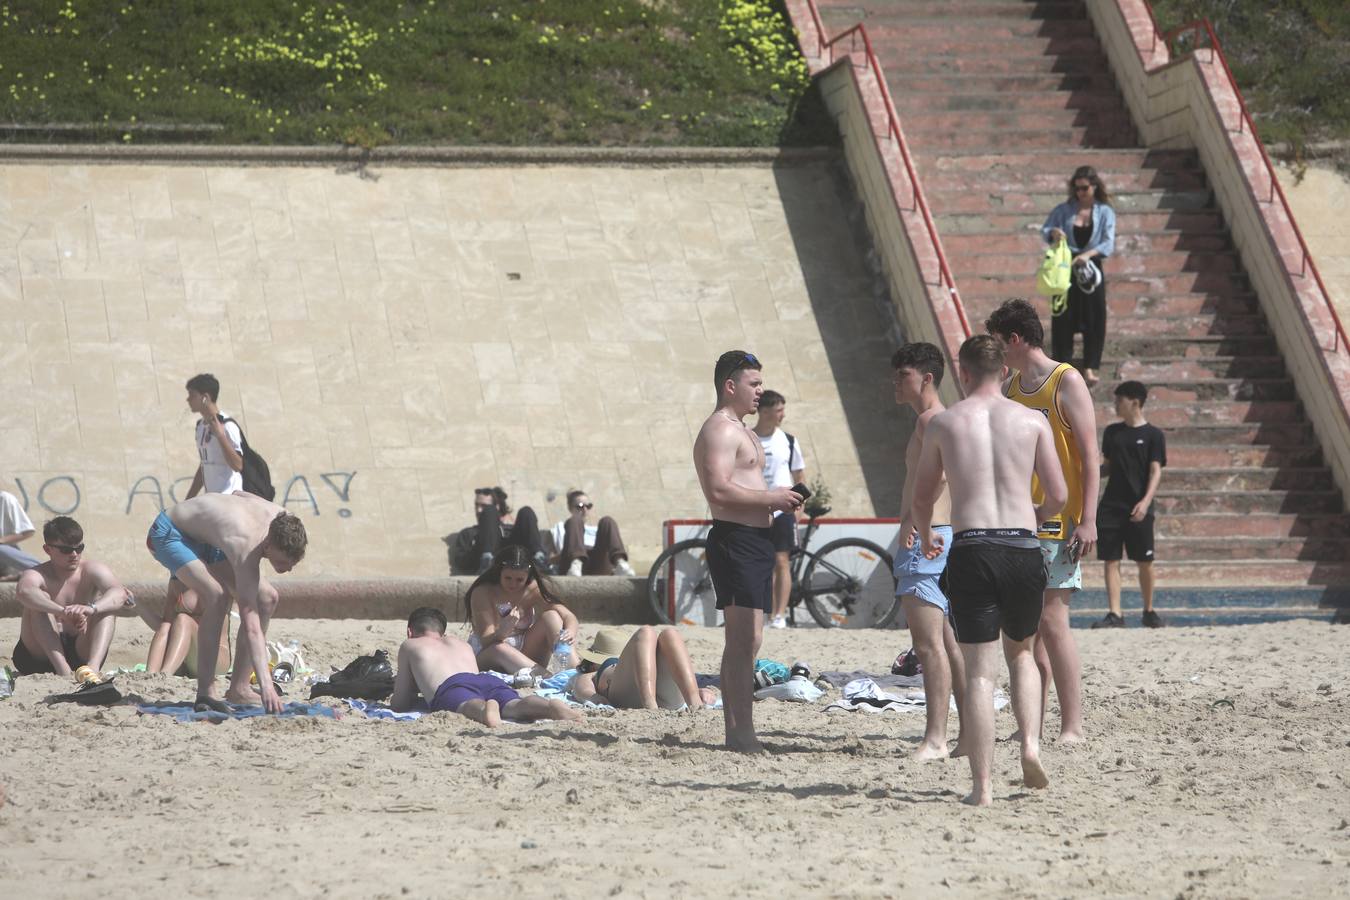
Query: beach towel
[(797, 690), (839, 679), (373, 710), (865, 695), (183, 712)]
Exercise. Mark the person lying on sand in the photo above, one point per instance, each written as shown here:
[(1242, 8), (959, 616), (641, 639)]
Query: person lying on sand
[(442, 668), (649, 670)]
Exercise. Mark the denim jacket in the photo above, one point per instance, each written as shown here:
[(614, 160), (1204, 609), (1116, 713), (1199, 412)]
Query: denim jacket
[(1103, 227)]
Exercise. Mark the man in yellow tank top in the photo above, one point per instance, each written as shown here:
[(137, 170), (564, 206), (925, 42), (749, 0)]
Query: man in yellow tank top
[(1058, 392)]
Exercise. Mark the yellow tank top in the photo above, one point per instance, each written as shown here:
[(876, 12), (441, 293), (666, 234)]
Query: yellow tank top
[(1043, 401)]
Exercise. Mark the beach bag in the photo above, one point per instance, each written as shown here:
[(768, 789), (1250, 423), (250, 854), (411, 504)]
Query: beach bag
[(1055, 275), (364, 678), (257, 476)]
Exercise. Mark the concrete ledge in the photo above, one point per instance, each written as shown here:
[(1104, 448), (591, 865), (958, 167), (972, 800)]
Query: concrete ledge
[(236, 155), (606, 600)]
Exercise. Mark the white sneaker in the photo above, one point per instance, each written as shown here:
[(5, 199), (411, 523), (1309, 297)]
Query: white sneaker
[(623, 568), (575, 568), (778, 622)]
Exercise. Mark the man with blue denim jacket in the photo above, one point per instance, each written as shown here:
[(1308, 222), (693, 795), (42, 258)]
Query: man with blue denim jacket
[(1088, 222)]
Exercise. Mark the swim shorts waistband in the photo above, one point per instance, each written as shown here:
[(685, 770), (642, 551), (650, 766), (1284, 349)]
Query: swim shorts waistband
[(1021, 538), (724, 525)]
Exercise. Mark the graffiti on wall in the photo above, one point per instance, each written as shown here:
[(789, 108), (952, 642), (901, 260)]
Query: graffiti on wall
[(60, 495)]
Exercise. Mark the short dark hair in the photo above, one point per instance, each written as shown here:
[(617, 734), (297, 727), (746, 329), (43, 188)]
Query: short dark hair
[(287, 534), (572, 496), (205, 383), (62, 530), (427, 618), (731, 362), (921, 357), (1017, 317), (982, 356), (771, 398), (498, 498), (1133, 390)]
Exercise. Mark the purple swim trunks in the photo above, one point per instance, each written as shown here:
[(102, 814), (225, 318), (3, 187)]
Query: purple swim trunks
[(457, 690)]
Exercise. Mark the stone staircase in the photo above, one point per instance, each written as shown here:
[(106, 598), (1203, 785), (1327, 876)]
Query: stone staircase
[(1000, 100)]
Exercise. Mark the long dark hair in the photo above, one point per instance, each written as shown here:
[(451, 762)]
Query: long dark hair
[(512, 556), (1099, 191)]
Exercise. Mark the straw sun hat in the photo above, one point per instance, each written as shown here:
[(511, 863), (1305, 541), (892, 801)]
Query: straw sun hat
[(608, 644)]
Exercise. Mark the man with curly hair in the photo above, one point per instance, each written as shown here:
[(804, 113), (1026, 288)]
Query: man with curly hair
[(215, 544)]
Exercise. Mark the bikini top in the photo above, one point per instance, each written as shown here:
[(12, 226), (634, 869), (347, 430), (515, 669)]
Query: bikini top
[(604, 667)]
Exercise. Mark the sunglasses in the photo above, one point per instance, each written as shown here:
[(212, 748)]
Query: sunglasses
[(585, 506), (66, 548), (1082, 187), (747, 359)]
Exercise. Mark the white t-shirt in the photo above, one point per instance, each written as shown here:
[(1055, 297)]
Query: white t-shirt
[(559, 535), (778, 468), (13, 520), (217, 475)]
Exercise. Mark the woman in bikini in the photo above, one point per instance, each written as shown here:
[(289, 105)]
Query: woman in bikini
[(650, 670), (516, 616), (173, 648)]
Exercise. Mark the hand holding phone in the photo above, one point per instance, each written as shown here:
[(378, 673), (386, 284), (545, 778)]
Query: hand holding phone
[(801, 490)]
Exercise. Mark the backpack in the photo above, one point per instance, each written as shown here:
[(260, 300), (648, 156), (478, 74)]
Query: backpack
[(1054, 276), (257, 476)]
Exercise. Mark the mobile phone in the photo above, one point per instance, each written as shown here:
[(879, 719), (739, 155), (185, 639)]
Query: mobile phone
[(801, 490), (1075, 549)]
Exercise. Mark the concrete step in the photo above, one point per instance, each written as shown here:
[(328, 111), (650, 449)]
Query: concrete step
[(1136, 315), (1168, 502), (1250, 478), (1312, 549), (1169, 416), (908, 26), (1095, 121), (1048, 181), (1029, 243), (1063, 162), (1025, 102), (1282, 436), (1191, 346), (1060, 9), (1253, 525), (1222, 284), (1010, 83), (952, 222), (1202, 456), (1089, 612), (986, 199), (1163, 263), (1022, 138), (946, 41), (1151, 370), (1174, 601), (897, 61), (1208, 390)]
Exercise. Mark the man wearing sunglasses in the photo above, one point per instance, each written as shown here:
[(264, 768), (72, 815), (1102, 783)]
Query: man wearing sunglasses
[(70, 604), (729, 461), (586, 549)]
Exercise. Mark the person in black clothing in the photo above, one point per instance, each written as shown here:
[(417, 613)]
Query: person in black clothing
[(1134, 454), (472, 548)]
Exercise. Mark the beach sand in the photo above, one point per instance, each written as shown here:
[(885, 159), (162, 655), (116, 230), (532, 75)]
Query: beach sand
[(1216, 766)]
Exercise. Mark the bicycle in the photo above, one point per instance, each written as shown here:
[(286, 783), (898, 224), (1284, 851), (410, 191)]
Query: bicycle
[(845, 584)]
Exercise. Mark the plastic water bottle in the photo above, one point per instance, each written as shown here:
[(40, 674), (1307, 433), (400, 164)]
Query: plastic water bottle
[(6, 683), (562, 652)]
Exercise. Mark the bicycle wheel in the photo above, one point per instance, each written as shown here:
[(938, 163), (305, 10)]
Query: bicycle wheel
[(680, 585), (848, 584)]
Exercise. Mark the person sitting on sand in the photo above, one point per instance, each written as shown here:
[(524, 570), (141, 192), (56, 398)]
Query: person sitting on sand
[(70, 604), (176, 634), (517, 618), (214, 544), (442, 668), (649, 670)]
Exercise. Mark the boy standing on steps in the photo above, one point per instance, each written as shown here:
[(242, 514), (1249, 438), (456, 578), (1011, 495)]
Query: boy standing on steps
[(1134, 454)]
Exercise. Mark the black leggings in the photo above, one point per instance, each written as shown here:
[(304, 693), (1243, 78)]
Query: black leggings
[(524, 532), (1085, 313)]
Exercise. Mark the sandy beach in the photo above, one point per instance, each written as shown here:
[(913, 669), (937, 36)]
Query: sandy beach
[(1216, 766)]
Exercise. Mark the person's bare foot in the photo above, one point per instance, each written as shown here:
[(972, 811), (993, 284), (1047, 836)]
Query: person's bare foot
[(745, 745), (247, 697), (207, 703), (492, 714), (1090, 378), (927, 751), (978, 798), (959, 750), (1071, 737), (1033, 775)]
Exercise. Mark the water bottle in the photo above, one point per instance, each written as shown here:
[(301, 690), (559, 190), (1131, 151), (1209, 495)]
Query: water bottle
[(6, 683), (562, 652)]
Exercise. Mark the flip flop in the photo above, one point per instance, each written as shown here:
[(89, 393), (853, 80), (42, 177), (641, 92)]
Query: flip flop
[(102, 694), (211, 704)]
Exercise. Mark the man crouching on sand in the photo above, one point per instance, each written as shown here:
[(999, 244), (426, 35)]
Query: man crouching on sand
[(215, 544), (988, 446), (443, 669)]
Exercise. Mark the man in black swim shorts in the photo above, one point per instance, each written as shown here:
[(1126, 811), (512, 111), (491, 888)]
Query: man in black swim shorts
[(989, 446), (730, 464)]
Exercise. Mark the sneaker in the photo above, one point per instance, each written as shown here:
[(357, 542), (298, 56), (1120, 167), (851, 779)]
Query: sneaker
[(575, 568), (622, 567), (778, 622), (1152, 619), (1111, 620)]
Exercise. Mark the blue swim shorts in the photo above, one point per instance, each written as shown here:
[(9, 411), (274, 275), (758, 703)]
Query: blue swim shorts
[(917, 576), (1063, 571), (459, 689), (172, 549)]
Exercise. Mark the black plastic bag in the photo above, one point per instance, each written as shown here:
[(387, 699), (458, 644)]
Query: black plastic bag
[(368, 677)]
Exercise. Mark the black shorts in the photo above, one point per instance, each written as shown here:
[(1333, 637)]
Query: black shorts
[(1115, 532), (26, 663), (995, 586), (740, 560), (783, 533)]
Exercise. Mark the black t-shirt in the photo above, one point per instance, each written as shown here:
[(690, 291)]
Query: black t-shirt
[(1128, 452)]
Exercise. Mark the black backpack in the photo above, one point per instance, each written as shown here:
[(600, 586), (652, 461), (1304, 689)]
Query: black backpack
[(257, 476)]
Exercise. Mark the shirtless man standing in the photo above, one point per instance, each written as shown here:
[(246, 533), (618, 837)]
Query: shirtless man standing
[(917, 372), (1058, 393), (69, 605), (730, 464), (989, 446), (215, 544), (443, 669)]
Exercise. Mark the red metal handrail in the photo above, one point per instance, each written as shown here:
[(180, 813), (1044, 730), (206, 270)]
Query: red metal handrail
[(1202, 26), (919, 201)]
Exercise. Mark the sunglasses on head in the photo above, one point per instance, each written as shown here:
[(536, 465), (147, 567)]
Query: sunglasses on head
[(67, 548), (747, 359)]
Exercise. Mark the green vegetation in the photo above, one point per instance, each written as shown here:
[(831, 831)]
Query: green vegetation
[(634, 72), (1291, 59)]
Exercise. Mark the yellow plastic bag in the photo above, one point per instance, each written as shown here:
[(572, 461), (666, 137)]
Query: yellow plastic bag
[(1055, 275)]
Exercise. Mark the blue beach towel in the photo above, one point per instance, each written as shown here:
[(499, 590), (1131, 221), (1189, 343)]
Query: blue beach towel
[(373, 710), (183, 712)]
